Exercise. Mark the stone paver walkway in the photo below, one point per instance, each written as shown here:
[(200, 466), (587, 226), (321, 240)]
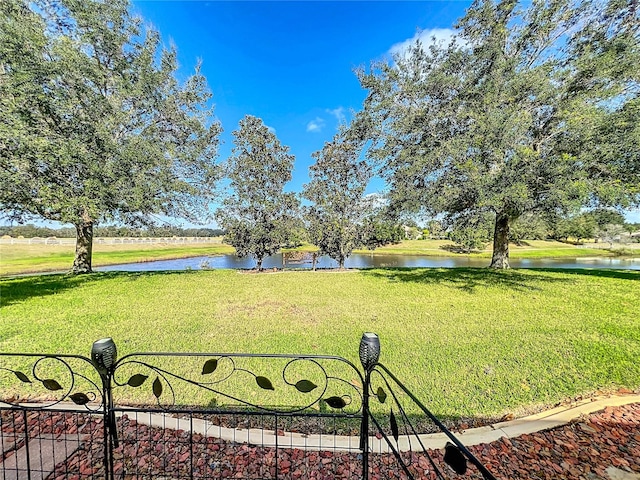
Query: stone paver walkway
[(44, 453)]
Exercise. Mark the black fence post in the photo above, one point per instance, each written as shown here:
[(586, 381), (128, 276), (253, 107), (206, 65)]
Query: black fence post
[(369, 355), (103, 356)]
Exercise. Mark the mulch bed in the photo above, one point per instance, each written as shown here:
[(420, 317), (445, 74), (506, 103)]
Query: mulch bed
[(583, 449)]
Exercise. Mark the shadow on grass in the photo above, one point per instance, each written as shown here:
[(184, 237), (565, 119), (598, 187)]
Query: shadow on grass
[(603, 273), (467, 279), (16, 290)]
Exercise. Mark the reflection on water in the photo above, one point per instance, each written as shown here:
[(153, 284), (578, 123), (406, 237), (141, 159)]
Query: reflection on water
[(369, 261)]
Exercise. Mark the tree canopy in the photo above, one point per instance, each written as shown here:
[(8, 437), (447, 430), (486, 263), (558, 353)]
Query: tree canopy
[(94, 124), (336, 190), (494, 121), (256, 213)]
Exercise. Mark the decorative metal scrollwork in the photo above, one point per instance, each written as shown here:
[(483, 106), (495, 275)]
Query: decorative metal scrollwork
[(456, 456), (135, 371), (58, 377)]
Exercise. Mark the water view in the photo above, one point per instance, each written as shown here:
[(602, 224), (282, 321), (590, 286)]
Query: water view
[(368, 261)]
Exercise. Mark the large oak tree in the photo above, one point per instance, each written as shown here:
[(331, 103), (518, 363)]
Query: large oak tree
[(528, 110), (94, 124)]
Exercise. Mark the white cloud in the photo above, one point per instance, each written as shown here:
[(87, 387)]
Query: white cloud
[(271, 129), (315, 125), (442, 36), (339, 114)]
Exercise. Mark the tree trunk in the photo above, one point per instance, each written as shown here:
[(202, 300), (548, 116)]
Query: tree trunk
[(259, 264), (84, 247), (500, 257), (341, 262)]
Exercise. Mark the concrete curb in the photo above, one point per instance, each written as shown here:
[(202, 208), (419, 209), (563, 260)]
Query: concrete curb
[(553, 418), (556, 417)]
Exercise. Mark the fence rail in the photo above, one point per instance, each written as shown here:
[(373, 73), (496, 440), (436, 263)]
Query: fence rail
[(216, 415)]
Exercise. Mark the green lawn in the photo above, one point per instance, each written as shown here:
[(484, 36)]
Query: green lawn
[(16, 259), (470, 342)]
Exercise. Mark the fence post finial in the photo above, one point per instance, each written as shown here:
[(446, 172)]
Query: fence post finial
[(369, 350), (104, 355), (369, 356)]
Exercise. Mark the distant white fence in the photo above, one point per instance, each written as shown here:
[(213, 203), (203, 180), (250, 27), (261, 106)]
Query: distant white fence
[(111, 240)]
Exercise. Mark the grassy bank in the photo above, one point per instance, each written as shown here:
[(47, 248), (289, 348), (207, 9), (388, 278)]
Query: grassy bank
[(18, 259), (530, 249), (470, 342)]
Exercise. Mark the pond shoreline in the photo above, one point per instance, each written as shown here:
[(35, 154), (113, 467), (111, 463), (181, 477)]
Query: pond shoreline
[(358, 261), (550, 252)]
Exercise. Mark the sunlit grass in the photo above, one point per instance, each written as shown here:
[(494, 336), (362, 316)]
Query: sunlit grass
[(469, 342), (18, 259)]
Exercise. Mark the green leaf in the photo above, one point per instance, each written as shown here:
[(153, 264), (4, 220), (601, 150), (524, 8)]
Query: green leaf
[(455, 459), (394, 426), (264, 382), (157, 387), (305, 386), (79, 398), (381, 394), (336, 402), (210, 366), (22, 377), (51, 384), (137, 380)]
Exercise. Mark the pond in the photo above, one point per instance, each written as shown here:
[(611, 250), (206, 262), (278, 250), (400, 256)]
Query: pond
[(303, 261)]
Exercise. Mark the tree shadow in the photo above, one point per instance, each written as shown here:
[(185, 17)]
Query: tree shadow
[(590, 272), (467, 279), (20, 289), (458, 249)]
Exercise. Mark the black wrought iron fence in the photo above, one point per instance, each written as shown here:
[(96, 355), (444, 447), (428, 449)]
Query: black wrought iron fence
[(216, 415)]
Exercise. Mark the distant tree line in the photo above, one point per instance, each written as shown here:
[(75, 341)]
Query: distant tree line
[(31, 231)]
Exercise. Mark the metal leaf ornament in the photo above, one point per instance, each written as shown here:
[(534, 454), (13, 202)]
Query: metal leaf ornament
[(394, 426), (136, 380), (157, 387), (22, 377), (381, 394), (79, 398), (265, 383), (305, 386), (455, 459), (336, 402), (51, 384), (210, 366)]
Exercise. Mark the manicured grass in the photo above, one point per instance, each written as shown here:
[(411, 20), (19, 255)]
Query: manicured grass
[(18, 259), (469, 342)]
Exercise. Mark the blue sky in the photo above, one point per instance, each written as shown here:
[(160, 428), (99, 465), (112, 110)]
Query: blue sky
[(291, 62)]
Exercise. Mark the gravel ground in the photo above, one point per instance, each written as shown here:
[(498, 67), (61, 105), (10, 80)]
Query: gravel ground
[(583, 449)]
